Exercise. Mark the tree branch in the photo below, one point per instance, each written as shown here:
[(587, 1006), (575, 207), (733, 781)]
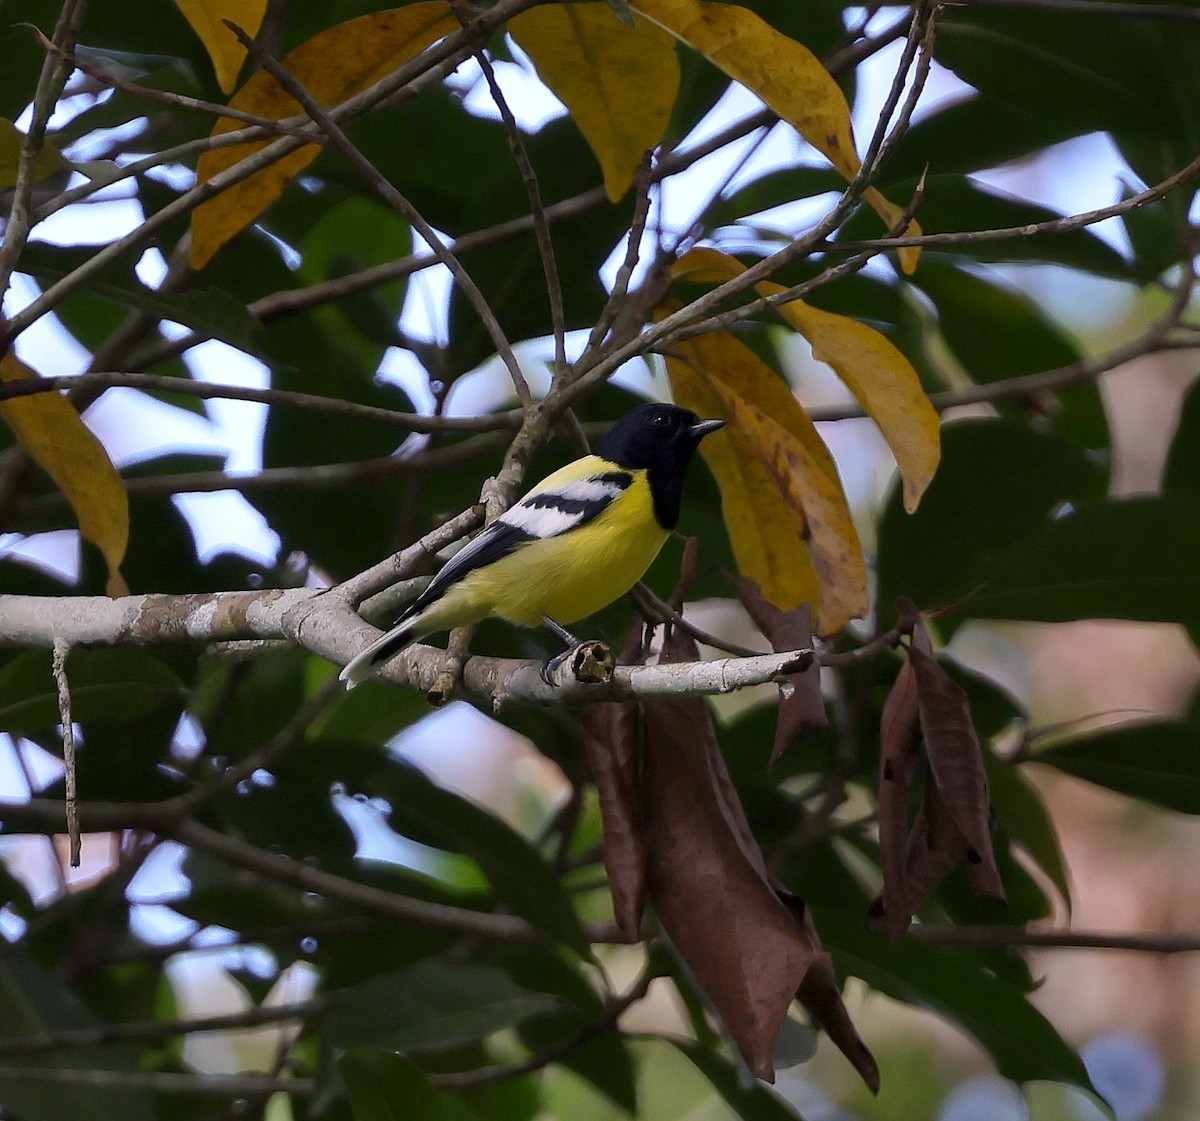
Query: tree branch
[(995, 937), (350, 151), (149, 1031), (163, 1081)]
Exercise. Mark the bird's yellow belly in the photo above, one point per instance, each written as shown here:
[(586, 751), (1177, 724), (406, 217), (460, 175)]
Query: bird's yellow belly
[(566, 578)]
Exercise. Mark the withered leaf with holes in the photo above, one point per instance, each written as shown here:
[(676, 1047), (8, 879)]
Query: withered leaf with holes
[(801, 708), (956, 760), (952, 825), (900, 760)]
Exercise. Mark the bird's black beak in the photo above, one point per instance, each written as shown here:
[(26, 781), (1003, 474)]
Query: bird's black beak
[(704, 427)]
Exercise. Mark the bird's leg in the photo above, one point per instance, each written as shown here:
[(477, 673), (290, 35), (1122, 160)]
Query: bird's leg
[(560, 632), (569, 641)]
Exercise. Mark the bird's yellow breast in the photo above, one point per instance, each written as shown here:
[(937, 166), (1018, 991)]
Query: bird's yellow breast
[(567, 577)]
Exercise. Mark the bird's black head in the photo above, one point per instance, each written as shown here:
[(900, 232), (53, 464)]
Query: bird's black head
[(659, 439)]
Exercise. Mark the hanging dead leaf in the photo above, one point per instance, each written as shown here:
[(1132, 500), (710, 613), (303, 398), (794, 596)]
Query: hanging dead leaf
[(711, 895), (786, 75), (882, 380), (821, 997), (899, 761), (331, 66), (592, 62), (689, 572), (801, 706), (207, 18), (54, 436), (956, 763), (610, 740)]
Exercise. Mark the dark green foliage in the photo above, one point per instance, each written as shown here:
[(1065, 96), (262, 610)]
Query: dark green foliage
[(435, 1018)]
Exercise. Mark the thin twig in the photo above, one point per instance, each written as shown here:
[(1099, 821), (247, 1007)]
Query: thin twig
[(53, 77), (281, 869), (162, 1081), (489, 1076), (388, 192), (268, 126), (537, 209), (436, 60), (149, 1031), (59, 666), (288, 738), (1095, 8), (995, 937), (312, 402)]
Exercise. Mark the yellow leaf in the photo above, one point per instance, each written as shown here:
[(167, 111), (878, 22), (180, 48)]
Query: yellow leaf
[(785, 74), (223, 48), (874, 370), (11, 138), (768, 536), (618, 82), (331, 66), (820, 542), (884, 382), (54, 436)]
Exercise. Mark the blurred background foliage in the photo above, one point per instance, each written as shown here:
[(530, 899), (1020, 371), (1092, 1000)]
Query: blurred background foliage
[(1055, 548)]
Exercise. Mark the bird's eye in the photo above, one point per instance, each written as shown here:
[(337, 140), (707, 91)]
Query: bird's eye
[(661, 421)]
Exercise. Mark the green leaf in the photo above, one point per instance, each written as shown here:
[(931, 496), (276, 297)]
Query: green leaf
[(1023, 815), (1156, 761), (997, 332), (973, 134), (511, 276), (212, 312), (354, 235), (747, 1097), (1157, 234), (776, 188), (105, 685), (1131, 559), (951, 203), (1092, 74), (998, 482), (429, 1006), (33, 1001), (385, 1087), (603, 1060), (1023, 1044), (427, 813)]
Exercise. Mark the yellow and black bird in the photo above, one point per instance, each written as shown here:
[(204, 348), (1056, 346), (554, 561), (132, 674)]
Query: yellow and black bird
[(580, 539)]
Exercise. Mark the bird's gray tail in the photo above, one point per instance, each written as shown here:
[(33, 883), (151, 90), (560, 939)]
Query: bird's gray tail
[(368, 663)]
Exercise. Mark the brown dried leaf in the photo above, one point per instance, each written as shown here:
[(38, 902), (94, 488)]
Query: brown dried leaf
[(956, 762), (610, 739), (936, 847), (822, 999), (689, 571), (801, 707), (611, 735), (707, 879), (899, 759)]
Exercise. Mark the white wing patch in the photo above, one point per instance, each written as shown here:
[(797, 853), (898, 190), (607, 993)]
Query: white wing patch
[(552, 512)]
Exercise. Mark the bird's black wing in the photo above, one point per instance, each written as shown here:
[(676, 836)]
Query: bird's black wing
[(553, 509)]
